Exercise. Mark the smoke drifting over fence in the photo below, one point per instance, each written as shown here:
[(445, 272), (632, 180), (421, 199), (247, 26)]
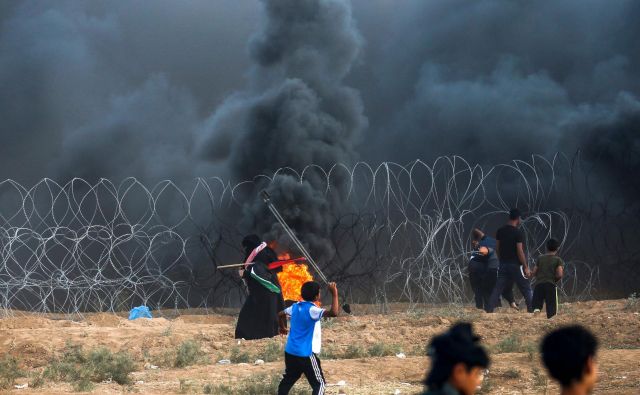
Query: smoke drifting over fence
[(273, 94), (85, 247)]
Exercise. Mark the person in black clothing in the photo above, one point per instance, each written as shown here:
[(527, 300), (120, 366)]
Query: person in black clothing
[(483, 270), (513, 264), (458, 362), (258, 317)]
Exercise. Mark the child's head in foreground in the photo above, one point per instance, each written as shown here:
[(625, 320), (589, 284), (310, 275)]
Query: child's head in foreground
[(310, 291), (569, 355), (457, 359), (553, 245)]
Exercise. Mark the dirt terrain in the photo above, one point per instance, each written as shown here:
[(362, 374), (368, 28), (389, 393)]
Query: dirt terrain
[(365, 353)]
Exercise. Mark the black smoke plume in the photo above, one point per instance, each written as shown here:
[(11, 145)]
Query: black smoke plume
[(297, 111)]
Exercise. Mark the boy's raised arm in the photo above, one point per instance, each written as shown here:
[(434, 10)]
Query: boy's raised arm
[(335, 308)]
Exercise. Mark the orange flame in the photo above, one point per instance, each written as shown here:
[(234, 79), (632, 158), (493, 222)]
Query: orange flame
[(291, 279), (292, 276)]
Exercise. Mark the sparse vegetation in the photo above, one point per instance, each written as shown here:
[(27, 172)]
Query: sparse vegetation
[(512, 343), (168, 331), (220, 389), (383, 350), (188, 353), (37, 381), (539, 379), (354, 351), (9, 371), (272, 352), (457, 312), (328, 323), (259, 384), (186, 386), (531, 348), (239, 355), (511, 374), (419, 350), (83, 369), (329, 352)]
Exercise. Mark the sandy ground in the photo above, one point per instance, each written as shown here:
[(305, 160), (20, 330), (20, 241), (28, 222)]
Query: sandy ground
[(34, 340)]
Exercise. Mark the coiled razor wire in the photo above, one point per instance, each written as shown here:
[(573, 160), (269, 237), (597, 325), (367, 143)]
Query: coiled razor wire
[(402, 234)]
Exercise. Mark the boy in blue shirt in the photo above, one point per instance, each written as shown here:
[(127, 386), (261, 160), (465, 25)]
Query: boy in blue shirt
[(303, 344)]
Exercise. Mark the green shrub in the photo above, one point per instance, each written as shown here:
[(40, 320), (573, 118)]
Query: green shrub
[(383, 350), (354, 352), (82, 369), (9, 372), (220, 389), (188, 353), (37, 381), (82, 385), (329, 352), (239, 356), (105, 365), (509, 344), (272, 352)]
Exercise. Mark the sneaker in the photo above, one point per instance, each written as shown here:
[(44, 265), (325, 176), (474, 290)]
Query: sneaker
[(536, 311)]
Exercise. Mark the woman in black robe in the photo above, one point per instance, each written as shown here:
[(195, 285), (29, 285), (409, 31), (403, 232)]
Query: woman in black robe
[(259, 315)]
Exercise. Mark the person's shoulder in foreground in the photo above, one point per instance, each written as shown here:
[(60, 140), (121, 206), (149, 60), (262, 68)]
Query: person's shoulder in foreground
[(458, 362), (569, 354)]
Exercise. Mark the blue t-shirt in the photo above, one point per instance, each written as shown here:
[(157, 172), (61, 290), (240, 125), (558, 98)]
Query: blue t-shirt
[(304, 334)]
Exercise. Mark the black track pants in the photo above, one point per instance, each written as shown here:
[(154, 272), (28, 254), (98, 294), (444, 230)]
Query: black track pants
[(546, 293), (296, 366)]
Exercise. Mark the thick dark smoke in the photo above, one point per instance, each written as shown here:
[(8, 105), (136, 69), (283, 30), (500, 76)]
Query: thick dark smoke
[(493, 80), (297, 111), (109, 89), (113, 89), (239, 88)]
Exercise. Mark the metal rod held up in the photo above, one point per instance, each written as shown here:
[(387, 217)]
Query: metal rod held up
[(287, 229)]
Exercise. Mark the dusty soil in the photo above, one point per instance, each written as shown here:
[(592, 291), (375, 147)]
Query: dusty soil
[(35, 340)]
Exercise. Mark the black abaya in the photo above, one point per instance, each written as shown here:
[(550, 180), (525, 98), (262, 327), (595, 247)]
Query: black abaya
[(259, 315)]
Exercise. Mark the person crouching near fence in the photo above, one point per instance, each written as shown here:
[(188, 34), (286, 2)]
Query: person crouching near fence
[(458, 362), (569, 354), (303, 343)]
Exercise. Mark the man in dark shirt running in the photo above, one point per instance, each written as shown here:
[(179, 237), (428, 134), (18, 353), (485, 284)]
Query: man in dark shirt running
[(513, 263)]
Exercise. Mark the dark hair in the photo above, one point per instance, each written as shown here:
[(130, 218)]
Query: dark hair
[(458, 345), (250, 242), (310, 291), (477, 234), (565, 353), (514, 213), (553, 245)]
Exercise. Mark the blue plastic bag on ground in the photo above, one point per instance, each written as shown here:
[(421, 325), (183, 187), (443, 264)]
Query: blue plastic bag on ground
[(140, 312)]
